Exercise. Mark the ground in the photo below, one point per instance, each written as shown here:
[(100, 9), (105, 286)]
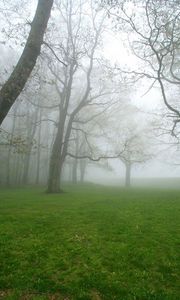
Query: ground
[(91, 242)]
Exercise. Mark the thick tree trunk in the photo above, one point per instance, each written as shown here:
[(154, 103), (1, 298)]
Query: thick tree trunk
[(17, 80), (128, 175), (56, 164), (55, 171)]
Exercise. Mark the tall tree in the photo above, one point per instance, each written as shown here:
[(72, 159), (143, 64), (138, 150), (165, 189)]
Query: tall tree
[(78, 53), (17, 80)]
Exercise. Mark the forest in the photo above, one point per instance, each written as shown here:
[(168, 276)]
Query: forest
[(89, 149)]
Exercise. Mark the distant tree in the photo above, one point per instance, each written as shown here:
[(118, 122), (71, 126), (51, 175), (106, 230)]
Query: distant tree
[(135, 153), (132, 137)]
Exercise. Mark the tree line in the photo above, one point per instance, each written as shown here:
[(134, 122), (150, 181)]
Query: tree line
[(62, 103)]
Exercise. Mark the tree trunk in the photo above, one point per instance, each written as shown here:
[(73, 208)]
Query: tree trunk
[(8, 181), (74, 171), (82, 165), (128, 175), (17, 80), (75, 161), (18, 170), (55, 171), (31, 125), (8, 167), (38, 165), (70, 172), (26, 167), (56, 164), (38, 150)]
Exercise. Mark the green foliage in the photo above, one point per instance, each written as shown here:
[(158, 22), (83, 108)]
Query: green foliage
[(92, 242), (18, 143)]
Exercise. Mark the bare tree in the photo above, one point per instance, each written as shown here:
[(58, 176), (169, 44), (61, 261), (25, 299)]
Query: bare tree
[(154, 37), (78, 53), (132, 137), (135, 152)]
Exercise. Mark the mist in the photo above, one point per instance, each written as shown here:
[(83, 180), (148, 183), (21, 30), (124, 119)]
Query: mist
[(89, 149), (85, 100)]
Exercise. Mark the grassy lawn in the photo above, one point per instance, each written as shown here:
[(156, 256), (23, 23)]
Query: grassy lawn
[(91, 242)]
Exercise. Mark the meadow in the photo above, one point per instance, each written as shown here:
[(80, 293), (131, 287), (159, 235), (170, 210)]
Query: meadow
[(91, 242)]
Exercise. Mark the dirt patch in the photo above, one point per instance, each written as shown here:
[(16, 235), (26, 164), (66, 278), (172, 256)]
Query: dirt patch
[(4, 293)]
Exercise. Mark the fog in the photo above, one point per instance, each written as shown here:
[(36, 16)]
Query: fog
[(89, 149), (101, 104)]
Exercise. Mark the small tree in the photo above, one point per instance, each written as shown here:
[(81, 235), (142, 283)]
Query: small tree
[(131, 138), (135, 152)]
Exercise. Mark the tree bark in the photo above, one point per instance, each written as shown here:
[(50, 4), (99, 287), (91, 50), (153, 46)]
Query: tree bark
[(55, 173), (17, 80), (56, 160)]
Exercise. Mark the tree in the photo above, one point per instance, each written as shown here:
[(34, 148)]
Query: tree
[(78, 53), (131, 137), (154, 35), (135, 152), (17, 80)]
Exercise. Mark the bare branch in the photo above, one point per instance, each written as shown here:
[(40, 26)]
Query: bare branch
[(46, 44)]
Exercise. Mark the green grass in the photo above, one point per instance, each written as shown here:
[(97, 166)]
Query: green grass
[(91, 242)]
